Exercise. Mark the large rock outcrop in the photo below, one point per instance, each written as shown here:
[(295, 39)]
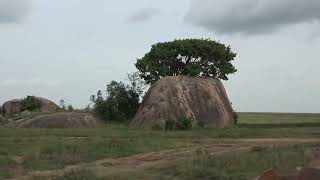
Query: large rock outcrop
[(47, 105), (60, 120), (14, 106), (203, 100)]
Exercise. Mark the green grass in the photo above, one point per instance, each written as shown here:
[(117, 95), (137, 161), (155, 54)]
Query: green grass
[(278, 118), (45, 149), (6, 166), (53, 153), (80, 174)]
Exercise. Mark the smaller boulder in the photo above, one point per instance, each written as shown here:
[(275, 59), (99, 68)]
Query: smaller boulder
[(47, 105), (61, 120), (14, 107)]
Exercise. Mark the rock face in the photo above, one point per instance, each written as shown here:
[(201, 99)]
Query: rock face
[(61, 120), (203, 100), (14, 106), (47, 105)]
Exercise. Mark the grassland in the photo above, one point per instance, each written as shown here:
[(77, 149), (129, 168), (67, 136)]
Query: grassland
[(233, 166), (47, 149)]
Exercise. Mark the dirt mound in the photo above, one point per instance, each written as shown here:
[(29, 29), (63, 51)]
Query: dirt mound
[(203, 100), (14, 106), (61, 120)]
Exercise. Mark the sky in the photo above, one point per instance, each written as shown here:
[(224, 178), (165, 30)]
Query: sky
[(71, 49)]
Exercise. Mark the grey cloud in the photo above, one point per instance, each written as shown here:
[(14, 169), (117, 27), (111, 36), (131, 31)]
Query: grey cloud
[(143, 15), (251, 16), (12, 11)]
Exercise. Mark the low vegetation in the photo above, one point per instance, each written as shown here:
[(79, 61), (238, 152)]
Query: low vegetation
[(43, 149), (231, 166), (30, 103), (121, 102), (202, 165), (180, 124)]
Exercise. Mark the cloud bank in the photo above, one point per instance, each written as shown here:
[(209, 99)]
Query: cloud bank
[(251, 16), (143, 15), (13, 11)]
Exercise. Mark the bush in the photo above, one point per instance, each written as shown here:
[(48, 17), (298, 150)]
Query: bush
[(30, 103), (170, 125), (70, 108), (235, 115), (236, 118), (121, 101), (184, 124), (201, 124), (180, 124)]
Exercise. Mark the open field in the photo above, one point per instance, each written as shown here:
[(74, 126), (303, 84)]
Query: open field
[(23, 151)]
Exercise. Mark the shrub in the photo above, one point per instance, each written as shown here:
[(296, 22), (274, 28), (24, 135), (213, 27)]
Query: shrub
[(180, 124), (236, 118), (201, 124), (184, 124), (30, 103), (70, 108), (170, 125), (121, 101), (235, 115)]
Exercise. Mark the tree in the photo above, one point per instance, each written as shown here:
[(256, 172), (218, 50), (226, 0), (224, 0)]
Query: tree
[(62, 104), (190, 57), (30, 103), (135, 90), (70, 108), (121, 102), (99, 105)]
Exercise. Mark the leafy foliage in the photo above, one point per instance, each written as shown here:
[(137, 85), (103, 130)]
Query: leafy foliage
[(184, 124), (180, 124), (70, 108), (235, 115), (30, 103), (62, 105), (121, 102), (190, 57), (236, 118)]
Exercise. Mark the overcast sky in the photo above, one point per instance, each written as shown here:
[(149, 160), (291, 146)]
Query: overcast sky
[(70, 49)]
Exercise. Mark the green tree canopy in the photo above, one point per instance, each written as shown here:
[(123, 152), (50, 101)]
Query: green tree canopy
[(121, 102), (190, 57), (30, 103)]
